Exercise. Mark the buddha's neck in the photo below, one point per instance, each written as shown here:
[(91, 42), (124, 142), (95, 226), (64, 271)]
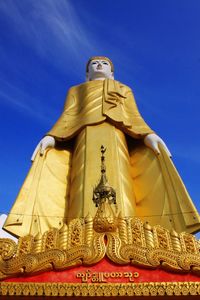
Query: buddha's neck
[(100, 78)]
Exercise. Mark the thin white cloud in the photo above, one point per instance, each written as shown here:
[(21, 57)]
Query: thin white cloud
[(4, 234), (54, 32), (50, 27), (12, 95)]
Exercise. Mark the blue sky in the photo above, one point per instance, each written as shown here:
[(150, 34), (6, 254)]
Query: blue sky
[(44, 46)]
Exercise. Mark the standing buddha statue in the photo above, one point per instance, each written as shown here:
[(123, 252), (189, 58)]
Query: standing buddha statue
[(59, 186)]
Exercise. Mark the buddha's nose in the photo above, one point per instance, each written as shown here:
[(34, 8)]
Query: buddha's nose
[(99, 66)]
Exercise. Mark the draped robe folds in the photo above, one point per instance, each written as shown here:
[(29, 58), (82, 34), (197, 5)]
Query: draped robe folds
[(59, 185)]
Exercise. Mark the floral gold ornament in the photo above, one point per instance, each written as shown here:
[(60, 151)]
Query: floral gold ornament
[(104, 289), (134, 243)]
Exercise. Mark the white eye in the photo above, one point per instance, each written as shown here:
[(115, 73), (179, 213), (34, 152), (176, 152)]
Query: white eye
[(94, 62), (105, 63)]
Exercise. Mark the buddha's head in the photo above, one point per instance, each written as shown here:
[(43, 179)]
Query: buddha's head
[(99, 68)]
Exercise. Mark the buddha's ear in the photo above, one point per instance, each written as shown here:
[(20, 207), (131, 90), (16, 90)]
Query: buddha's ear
[(87, 77)]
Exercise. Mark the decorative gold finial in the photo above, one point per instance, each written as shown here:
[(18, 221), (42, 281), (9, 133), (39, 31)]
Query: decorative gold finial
[(103, 196), (103, 190)]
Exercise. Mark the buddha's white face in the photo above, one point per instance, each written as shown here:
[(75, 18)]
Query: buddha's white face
[(99, 70)]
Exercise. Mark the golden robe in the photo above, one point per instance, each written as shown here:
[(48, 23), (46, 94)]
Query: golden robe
[(60, 183)]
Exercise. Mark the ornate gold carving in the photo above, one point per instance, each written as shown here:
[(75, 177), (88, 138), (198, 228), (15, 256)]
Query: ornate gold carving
[(189, 243), (138, 237), (176, 244), (76, 233), (122, 223), (102, 289), (37, 248), (50, 239), (63, 237), (7, 248), (162, 238), (25, 245), (79, 244), (148, 233), (105, 219), (88, 230)]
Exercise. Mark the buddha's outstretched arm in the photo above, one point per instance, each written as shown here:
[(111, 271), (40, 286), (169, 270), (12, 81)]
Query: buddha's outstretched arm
[(152, 141), (46, 142), (141, 129), (49, 140)]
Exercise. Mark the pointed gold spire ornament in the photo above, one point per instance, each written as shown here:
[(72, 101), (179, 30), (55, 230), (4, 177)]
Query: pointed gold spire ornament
[(104, 196), (103, 191)]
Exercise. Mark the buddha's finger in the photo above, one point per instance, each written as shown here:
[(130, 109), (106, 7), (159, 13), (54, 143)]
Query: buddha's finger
[(35, 152), (166, 149)]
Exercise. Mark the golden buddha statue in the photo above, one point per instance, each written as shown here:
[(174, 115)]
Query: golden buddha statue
[(65, 170)]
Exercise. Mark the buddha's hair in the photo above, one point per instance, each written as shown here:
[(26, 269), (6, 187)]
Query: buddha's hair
[(101, 58)]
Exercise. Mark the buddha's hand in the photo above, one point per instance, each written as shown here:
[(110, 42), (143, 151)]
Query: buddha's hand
[(46, 142), (152, 141)]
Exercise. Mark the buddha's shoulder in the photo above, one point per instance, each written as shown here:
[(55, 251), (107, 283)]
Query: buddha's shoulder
[(75, 87), (124, 86)]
